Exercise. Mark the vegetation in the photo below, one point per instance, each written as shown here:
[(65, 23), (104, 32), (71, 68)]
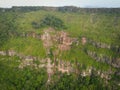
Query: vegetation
[(71, 82), (26, 46), (7, 26), (49, 21), (12, 78), (78, 24), (100, 25)]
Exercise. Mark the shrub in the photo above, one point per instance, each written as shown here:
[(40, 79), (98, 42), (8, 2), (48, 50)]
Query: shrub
[(50, 21)]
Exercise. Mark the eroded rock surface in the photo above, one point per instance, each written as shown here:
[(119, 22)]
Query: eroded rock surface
[(59, 39), (62, 42), (115, 62)]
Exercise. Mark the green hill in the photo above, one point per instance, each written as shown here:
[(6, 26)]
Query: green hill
[(78, 41)]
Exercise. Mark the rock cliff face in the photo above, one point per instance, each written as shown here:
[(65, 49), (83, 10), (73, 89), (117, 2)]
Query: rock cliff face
[(62, 42), (104, 45), (51, 37), (47, 39), (58, 39), (60, 65), (115, 62)]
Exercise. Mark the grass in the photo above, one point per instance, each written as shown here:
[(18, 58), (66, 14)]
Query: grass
[(34, 47), (26, 46), (99, 27), (12, 62), (77, 53), (104, 51)]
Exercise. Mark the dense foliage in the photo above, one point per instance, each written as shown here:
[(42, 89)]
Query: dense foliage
[(71, 82), (13, 78), (49, 21), (7, 26)]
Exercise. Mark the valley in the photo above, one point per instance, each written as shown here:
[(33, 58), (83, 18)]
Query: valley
[(62, 48)]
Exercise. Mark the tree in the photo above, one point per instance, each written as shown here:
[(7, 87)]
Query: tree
[(7, 26), (49, 21)]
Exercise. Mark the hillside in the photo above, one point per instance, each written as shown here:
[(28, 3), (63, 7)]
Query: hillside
[(48, 48)]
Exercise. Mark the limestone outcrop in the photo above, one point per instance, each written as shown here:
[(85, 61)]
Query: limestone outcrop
[(115, 62)]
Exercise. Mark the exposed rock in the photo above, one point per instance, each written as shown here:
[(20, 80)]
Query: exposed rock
[(116, 62), (105, 59), (49, 69), (63, 47), (59, 39), (86, 72), (99, 44), (28, 58), (105, 75), (84, 40), (49, 66), (11, 53), (65, 41), (31, 34), (21, 56), (98, 72), (47, 39), (62, 66), (104, 45), (42, 60), (3, 53)]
